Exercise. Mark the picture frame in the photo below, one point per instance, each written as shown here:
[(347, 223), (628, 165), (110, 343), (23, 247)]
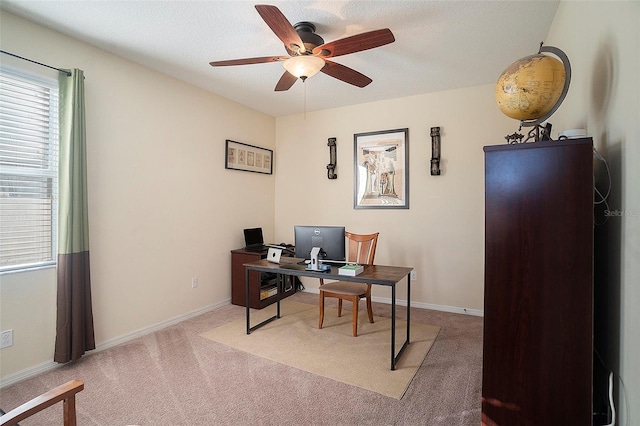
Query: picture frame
[(248, 158), (381, 169)]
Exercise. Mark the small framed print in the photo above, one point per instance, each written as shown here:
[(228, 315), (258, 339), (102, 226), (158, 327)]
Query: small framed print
[(381, 168), (249, 158)]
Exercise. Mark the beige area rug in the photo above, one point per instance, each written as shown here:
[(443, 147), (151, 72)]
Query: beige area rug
[(363, 361)]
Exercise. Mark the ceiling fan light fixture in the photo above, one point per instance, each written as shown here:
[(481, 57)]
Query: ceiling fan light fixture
[(303, 66)]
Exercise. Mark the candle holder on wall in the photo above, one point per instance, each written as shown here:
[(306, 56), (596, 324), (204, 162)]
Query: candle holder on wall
[(435, 151), (331, 167)]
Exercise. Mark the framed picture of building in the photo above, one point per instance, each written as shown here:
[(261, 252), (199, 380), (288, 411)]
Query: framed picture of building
[(381, 170)]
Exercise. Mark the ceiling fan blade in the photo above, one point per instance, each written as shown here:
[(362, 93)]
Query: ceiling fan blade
[(249, 61), (281, 26), (346, 74), (285, 82), (356, 43)]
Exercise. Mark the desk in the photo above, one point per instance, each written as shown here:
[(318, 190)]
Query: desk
[(373, 274)]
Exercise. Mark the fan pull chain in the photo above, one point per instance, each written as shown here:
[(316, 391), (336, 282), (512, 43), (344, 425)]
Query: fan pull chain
[(304, 83)]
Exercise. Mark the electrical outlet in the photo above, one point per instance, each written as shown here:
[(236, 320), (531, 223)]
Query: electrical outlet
[(6, 339), (194, 282), (414, 275)]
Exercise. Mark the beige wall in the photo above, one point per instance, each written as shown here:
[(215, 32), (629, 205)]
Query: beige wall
[(162, 207), (602, 40), (442, 234)]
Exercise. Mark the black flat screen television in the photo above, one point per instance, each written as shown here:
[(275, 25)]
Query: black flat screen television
[(329, 238)]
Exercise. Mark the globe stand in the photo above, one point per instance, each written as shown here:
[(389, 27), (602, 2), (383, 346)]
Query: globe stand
[(536, 134), (539, 133), (514, 138)]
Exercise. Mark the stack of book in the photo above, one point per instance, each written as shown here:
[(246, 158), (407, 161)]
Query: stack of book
[(350, 270), (268, 292)]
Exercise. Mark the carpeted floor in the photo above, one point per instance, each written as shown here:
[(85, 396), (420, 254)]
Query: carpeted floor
[(177, 377)]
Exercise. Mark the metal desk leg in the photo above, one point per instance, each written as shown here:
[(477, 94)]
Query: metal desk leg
[(246, 293), (393, 327), (394, 357), (268, 320), (408, 305), (279, 289)]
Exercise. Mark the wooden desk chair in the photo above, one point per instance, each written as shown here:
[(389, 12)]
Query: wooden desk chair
[(65, 393), (362, 249)]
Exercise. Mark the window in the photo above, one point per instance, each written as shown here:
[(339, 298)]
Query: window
[(28, 170)]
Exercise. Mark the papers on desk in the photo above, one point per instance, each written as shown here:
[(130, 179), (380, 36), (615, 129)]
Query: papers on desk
[(350, 270)]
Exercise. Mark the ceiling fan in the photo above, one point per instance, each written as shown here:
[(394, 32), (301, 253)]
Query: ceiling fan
[(309, 54)]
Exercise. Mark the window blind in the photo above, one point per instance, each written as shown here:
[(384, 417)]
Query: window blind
[(28, 171)]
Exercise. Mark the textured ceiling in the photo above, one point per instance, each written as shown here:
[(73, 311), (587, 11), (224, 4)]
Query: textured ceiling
[(440, 45)]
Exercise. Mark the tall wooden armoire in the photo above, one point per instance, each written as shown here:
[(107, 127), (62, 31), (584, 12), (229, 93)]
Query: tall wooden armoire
[(538, 295)]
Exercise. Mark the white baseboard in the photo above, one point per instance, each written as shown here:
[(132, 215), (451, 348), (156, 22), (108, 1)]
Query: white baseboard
[(157, 327), (28, 373), (443, 308), (50, 365)]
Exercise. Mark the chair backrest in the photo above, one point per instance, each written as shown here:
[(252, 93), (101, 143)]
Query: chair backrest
[(362, 247)]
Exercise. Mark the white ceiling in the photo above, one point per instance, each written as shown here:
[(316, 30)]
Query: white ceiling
[(440, 45)]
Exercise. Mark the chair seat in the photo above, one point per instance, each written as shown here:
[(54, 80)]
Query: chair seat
[(345, 287)]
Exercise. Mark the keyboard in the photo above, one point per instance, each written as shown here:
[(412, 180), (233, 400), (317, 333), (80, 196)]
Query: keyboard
[(256, 248)]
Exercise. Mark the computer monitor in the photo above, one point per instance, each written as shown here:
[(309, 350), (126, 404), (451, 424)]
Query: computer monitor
[(329, 238)]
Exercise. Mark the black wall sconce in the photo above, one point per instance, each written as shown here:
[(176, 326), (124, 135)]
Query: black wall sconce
[(331, 167), (435, 151)]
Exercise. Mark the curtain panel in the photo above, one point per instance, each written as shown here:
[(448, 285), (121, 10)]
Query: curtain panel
[(74, 323)]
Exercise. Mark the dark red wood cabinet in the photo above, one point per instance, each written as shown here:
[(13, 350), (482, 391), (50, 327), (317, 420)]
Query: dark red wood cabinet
[(538, 295), (257, 281)]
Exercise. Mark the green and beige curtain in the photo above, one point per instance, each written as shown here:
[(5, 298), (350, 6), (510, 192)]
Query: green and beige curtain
[(74, 324)]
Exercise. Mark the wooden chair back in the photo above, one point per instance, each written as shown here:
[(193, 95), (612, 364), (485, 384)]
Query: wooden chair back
[(362, 247)]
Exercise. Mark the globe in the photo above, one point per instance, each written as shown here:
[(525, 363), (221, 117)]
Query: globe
[(530, 87)]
